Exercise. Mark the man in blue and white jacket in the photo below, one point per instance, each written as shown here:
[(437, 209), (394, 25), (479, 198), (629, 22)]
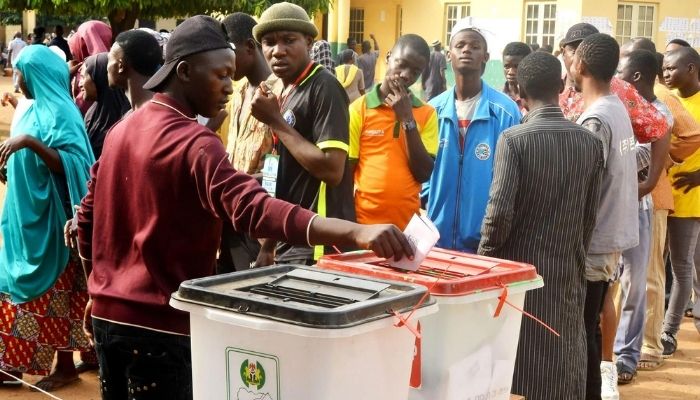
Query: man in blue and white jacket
[(471, 117)]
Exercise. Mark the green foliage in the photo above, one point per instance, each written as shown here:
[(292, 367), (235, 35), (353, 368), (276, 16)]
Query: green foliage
[(153, 8), (68, 21), (10, 18)]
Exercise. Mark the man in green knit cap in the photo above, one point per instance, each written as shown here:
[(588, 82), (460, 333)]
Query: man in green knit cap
[(307, 110)]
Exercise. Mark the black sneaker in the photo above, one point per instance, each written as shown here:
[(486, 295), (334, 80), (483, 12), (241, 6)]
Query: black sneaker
[(668, 340)]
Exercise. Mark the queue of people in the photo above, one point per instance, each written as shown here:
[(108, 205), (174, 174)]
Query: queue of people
[(174, 173)]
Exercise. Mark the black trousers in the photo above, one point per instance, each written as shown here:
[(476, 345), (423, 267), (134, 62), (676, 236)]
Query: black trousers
[(141, 364), (595, 295)]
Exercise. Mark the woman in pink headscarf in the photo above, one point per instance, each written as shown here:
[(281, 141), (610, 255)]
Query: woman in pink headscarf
[(92, 37)]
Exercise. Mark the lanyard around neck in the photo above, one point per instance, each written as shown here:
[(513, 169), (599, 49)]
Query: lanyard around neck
[(284, 98)]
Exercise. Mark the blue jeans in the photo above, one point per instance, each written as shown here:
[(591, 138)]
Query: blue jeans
[(633, 295), (142, 364), (684, 243)]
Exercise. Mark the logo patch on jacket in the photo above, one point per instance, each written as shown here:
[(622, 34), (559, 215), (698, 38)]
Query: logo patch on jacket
[(289, 117), (482, 151)]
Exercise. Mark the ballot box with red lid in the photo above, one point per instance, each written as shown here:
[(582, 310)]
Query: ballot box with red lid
[(467, 349)]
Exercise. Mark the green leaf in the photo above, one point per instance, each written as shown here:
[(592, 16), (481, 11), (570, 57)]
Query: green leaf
[(152, 8)]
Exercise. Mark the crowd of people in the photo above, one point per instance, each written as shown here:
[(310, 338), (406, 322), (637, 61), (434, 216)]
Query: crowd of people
[(138, 163)]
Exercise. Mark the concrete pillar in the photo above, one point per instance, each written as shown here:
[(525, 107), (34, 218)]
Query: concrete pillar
[(333, 26), (28, 21), (343, 23)]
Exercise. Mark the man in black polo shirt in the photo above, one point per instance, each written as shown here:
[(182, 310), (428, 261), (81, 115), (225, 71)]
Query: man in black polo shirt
[(60, 42), (307, 110)]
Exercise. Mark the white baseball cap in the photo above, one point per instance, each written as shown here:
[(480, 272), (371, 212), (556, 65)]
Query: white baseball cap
[(468, 23)]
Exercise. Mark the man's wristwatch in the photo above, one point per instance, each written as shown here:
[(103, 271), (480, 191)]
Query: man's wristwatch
[(407, 126)]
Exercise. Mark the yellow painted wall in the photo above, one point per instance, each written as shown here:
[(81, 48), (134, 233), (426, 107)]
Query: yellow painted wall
[(28, 21), (381, 20), (7, 33), (569, 12), (677, 9), (427, 18), (317, 19), (166, 23), (424, 18), (505, 18), (687, 9)]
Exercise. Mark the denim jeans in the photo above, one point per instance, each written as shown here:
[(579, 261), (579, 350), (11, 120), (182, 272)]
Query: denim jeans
[(633, 295), (142, 364), (683, 234)]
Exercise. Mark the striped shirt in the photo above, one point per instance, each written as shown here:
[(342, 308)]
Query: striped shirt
[(542, 210)]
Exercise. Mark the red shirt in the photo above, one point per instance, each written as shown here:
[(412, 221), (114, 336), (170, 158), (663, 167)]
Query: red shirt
[(516, 98), (648, 123), (152, 215)]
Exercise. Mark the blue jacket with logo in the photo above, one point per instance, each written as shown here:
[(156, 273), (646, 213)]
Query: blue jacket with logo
[(458, 190)]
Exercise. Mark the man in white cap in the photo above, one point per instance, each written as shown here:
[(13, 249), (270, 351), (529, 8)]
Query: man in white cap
[(471, 117)]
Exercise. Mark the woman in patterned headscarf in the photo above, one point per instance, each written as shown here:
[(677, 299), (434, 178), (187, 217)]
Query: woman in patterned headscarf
[(321, 53), (42, 285)]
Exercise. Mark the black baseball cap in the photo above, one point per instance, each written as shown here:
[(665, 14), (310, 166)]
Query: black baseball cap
[(578, 32), (195, 35)]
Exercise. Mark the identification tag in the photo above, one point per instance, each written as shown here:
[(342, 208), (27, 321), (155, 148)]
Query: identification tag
[(270, 166)]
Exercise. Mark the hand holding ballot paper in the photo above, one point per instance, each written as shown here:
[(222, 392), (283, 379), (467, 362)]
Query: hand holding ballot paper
[(422, 234)]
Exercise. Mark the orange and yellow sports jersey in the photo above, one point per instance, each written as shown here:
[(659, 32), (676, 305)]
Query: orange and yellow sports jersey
[(385, 189)]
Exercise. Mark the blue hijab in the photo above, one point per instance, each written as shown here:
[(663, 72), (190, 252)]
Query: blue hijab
[(33, 253)]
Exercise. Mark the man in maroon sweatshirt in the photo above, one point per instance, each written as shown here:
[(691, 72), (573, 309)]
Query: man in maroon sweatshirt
[(152, 218)]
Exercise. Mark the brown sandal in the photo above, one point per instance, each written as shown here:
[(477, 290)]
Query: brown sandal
[(625, 374), (647, 362)]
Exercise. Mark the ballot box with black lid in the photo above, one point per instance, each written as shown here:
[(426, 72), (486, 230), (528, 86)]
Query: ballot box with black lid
[(294, 332)]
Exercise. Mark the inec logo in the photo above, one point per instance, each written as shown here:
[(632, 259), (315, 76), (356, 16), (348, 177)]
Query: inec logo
[(253, 374)]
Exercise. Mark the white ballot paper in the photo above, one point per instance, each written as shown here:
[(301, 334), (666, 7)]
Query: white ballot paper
[(422, 234)]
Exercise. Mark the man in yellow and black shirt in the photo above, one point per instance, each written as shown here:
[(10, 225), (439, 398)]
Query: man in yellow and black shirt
[(307, 110), (393, 139)]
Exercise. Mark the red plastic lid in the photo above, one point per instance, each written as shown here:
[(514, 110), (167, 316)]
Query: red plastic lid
[(456, 273)]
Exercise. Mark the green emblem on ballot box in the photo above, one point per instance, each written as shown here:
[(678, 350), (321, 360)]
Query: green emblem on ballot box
[(253, 374)]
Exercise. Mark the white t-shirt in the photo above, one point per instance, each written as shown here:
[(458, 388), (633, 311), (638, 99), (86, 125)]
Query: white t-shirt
[(16, 46), (465, 112), (23, 105)]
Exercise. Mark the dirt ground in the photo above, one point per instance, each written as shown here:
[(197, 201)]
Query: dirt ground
[(678, 379)]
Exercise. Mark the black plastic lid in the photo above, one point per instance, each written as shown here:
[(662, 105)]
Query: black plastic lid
[(304, 296)]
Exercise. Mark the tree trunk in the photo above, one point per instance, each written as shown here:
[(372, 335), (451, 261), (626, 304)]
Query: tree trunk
[(123, 19)]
